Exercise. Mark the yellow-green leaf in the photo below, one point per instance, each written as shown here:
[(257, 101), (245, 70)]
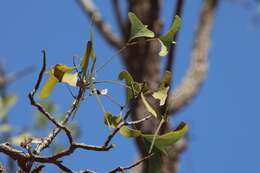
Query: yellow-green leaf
[(138, 29), (112, 121), (148, 106), (48, 87), (70, 78), (164, 50), (161, 94), (167, 38), (129, 132), (89, 52), (170, 138)]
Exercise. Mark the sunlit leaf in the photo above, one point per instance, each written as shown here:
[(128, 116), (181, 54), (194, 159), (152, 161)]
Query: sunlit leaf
[(70, 78), (48, 87), (5, 128), (138, 29), (167, 38), (130, 133), (148, 106), (161, 94), (164, 50), (170, 138)]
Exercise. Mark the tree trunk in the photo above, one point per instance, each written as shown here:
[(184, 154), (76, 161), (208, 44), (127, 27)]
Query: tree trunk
[(143, 62)]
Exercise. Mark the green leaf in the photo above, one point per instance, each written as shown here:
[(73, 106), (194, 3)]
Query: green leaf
[(112, 121), (6, 103), (170, 138), (164, 49), (70, 79), (167, 38), (89, 52), (148, 106), (138, 29), (161, 94), (129, 133), (48, 87), (5, 128), (125, 75)]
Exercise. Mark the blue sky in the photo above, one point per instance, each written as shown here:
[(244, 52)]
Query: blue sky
[(223, 118)]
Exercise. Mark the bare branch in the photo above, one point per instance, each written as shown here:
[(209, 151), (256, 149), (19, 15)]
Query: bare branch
[(40, 107), (171, 56), (123, 169), (104, 29), (119, 17), (199, 63), (124, 123), (63, 167)]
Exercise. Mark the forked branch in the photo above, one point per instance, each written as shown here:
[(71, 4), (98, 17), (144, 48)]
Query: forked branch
[(197, 70)]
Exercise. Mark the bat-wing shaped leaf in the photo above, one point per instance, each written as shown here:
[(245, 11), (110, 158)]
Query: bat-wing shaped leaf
[(138, 29)]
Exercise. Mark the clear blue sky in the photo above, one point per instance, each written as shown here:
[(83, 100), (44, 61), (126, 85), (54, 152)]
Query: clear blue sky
[(224, 118)]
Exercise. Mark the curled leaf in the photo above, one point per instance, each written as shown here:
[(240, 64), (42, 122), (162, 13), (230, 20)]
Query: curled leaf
[(161, 94), (164, 50), (148, 106)]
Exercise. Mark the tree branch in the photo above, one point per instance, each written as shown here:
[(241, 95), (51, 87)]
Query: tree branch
[(123, 169), (89, 8), (199, 63), (120, 19)]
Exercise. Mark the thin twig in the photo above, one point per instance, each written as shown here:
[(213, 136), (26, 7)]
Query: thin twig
[(89, 8), (40, 107), (119, 17), (120, 125), (123, 169)]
